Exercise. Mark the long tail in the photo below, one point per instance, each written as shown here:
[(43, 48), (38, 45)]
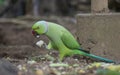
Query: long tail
[(94, 56), (100, 58)]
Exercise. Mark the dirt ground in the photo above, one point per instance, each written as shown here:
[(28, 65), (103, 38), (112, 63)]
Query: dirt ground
[(18, 46)]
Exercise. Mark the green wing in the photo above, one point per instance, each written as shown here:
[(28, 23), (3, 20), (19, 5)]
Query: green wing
[(69, 41), (51, 45)]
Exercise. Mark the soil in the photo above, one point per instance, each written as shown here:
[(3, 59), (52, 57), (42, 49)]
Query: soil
[(17, 45)]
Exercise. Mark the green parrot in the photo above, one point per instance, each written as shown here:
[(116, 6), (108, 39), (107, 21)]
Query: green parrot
[(62, 40)]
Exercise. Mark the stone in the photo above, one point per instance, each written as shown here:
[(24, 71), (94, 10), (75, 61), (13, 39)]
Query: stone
[(100, 33)]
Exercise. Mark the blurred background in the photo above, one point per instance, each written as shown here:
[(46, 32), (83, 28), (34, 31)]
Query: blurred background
[(17, 44), (17, 17), (15, 8)]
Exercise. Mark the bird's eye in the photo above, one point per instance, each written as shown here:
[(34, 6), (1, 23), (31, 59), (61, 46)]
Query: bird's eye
[(36, 28)]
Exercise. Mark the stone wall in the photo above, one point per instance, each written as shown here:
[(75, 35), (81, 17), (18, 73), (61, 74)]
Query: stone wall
[(100, 33)]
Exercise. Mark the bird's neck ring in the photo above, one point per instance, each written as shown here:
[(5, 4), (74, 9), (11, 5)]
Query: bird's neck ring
[(46, 26)]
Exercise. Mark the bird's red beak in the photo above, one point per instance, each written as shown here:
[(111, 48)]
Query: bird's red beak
[(35, 33)]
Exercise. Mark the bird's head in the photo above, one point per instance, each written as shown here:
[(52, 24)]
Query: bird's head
[(40, 27)]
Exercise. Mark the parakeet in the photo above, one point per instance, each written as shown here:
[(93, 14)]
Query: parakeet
[(62, 40)]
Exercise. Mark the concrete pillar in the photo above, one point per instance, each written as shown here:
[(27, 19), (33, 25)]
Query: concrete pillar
[(99, 6)]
